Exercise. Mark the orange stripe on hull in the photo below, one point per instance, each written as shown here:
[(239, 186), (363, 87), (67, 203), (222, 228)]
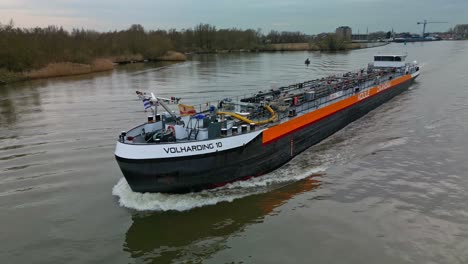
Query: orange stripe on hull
[(292, 125)]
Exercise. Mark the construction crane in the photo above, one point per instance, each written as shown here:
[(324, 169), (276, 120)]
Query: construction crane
[(424, 25)]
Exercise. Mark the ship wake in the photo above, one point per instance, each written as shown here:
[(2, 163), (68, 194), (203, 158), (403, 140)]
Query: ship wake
[(227, 193)]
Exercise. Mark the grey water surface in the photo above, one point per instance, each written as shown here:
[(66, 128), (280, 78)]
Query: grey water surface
[(391, 187)]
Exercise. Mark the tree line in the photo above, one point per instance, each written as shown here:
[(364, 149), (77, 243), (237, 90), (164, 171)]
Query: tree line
[(23, 49)]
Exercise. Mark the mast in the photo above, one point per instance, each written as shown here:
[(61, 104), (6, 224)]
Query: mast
[(160, 101)]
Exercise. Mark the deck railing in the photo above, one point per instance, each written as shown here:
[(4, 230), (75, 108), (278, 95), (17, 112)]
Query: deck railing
[(322, 87)]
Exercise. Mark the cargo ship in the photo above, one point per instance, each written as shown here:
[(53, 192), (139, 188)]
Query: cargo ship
[(231, 139)]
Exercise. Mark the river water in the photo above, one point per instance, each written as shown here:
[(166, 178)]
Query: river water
[(391, 187)]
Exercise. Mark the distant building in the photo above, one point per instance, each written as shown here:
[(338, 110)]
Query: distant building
[(461, 31), (445, 35), (344, 32)]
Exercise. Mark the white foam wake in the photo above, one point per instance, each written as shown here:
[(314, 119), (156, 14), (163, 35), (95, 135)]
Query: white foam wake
[(227, 193), (282, 175), (166, 202)]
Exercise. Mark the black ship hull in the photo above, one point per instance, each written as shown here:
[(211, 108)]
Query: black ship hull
[(197, 172)]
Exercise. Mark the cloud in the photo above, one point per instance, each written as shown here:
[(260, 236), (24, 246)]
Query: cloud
[(27, 18), (309, 16)]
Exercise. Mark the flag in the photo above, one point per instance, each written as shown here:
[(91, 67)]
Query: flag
[(146, 103), (186, 110)]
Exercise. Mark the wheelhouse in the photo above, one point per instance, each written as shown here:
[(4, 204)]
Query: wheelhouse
[(389, 61)]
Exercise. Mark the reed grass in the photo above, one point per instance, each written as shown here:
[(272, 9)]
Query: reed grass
[(69, 68), (173, 56), (102, 64)]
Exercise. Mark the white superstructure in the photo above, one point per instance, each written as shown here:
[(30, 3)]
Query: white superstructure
[(384, 61)]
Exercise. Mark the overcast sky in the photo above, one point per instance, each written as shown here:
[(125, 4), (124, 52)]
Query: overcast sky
[(308, 16)]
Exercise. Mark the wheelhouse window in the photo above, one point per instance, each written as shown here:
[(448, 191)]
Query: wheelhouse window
[(387, 58)]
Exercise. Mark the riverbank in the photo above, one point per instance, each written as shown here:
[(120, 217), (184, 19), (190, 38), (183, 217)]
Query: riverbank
[(68, 69), (61, 69)]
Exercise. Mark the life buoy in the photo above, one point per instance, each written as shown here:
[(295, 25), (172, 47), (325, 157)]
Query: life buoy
[(171, 129)]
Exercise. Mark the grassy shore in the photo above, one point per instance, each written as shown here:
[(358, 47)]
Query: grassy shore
[(173, 56), (69, 68), (60, 69)]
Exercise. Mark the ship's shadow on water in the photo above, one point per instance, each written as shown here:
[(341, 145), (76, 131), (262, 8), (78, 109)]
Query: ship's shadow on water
[(192, 236)]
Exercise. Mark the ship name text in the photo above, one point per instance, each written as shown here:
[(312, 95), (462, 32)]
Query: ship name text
[(193, 148), (383, 86)]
